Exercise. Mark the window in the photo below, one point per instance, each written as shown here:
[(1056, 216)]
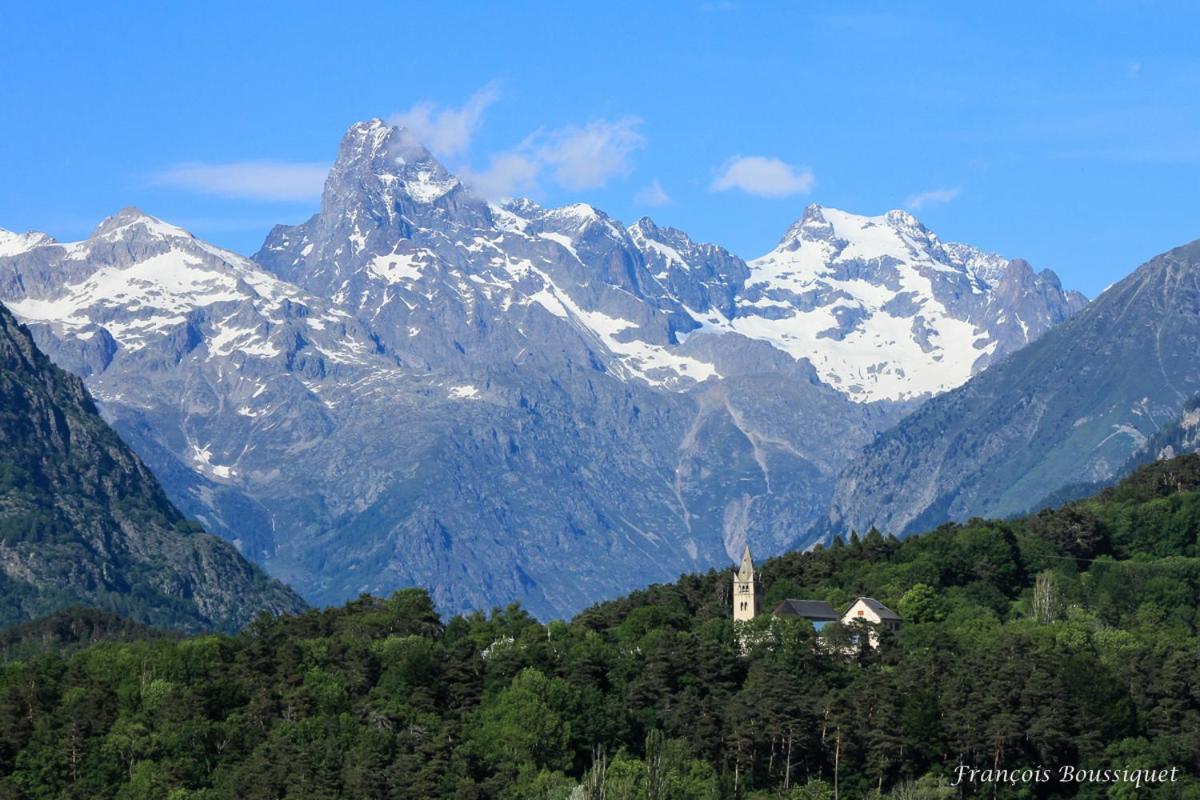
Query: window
[(860, 612)]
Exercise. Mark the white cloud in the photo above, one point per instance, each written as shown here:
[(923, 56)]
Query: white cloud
[(578, 156), (508, 175), (652, 195), (587, 156), (447, 131), (255, 180), (932, 197), (763, 176)]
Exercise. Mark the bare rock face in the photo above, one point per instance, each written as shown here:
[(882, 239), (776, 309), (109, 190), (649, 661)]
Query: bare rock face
[(82, 521), (507, 402)]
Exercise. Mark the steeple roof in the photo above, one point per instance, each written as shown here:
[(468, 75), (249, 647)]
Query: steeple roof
[(746, 571)]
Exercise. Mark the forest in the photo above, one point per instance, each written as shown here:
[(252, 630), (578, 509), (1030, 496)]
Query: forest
[(1067, 637)]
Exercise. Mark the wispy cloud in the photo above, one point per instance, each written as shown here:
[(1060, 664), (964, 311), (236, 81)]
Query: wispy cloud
[(255, 180), (445, 130), (576, 156), (763, 176), (652, 195), (588, 156), (932, 197), (508, 175)]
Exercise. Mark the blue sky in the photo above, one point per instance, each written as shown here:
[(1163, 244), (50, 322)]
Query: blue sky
[(1064, 133)]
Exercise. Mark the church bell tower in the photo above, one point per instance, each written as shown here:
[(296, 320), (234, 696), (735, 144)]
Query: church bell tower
[(746, 596)]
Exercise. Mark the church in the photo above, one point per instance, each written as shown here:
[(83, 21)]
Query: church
[(748, 603)]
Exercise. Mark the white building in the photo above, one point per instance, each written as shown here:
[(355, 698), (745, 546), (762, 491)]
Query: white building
[(870, 610)]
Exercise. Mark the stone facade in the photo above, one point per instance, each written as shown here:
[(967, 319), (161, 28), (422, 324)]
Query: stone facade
[(747, 593)]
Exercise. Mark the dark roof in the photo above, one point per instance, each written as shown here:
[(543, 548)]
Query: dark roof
[(879, 608), (808, 609)]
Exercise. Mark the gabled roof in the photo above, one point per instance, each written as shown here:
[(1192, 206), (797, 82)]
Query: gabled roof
[(808, 609), (879, 608)]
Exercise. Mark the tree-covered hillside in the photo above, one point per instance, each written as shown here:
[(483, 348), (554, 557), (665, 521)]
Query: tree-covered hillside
[(84, 522), (1068, 637)]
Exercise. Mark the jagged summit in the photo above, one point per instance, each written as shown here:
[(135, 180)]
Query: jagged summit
[(384, 188), (130, 218), (390, 173)]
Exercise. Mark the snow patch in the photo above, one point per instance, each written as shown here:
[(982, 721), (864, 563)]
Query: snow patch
[(202, 458), (401, 267), (464, 393)]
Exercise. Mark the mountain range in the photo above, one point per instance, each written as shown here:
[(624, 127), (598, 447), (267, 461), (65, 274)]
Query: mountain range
[(505, 401)]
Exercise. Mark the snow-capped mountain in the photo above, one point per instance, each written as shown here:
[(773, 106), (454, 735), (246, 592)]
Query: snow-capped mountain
[(885, 311), (137, 277), (508, 402), (401, 242)]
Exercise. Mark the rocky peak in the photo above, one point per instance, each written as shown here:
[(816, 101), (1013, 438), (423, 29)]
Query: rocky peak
[(645, 226), (375, 151), (909, 226), (132, 222), (384, 173), (365, 142), (704, 277), (896, 233), (811, 226), (384, 190)]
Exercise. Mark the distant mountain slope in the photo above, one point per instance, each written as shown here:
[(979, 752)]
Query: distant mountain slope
[(417, 387), (1177, 438), (1069, 409), (82, 521)]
